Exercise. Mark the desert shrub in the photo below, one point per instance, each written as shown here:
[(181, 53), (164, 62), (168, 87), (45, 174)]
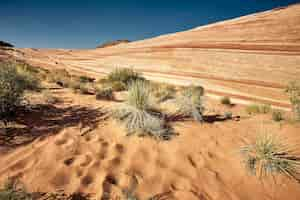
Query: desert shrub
[(61, 77), (29, 75), (190, 103), (141, 122), (163, 92), (226, 101), (12, 87), (293, 90), (137, 113), (228, 115), (258, 109), (86, 79), (277, 115), (117, 86), (139, 95), (11, 191), (104, 93), (267, 156), (124, 75)]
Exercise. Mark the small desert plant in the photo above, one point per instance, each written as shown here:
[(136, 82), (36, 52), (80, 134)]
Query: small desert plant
[(226, 101), (277, 115), (190, 103), (137, 113), (124, 75), (104, 93), (293, 90), (141, 122), (11, 191), (258, 109), (163, 92), (267, 156), (139, 95)]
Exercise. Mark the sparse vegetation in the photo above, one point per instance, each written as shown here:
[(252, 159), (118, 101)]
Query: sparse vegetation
[(13, 83), (104, 94), (124, 75), (267, 156), (293, 90), (163, 92), (137, 113), (226, 101), (258, 109), (190, 103), (277, 115)]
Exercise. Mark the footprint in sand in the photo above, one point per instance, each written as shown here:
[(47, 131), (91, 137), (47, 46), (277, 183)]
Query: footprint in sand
[(86, 161), (87, 180), (69, 161)]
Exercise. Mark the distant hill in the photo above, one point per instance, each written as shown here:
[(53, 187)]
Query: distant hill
[(113, 43), (5, 44)]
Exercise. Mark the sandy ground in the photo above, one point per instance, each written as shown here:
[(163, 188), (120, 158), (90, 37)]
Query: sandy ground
[(72, 146)]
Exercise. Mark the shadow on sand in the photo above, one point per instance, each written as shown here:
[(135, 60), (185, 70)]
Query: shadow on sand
[(44, 120)]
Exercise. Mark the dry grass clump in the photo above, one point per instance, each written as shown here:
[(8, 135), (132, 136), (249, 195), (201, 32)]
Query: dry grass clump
[(190, 103), (137, 113), (267, 156), (293, 90), (258, 109), (163, 92), (13, 83), (104, 94)]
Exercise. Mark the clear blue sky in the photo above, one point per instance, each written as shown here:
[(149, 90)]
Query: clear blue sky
[(87, 23)]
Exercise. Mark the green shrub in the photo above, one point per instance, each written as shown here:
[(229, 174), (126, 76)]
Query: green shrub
[(258, 109), (12, 87), (277, 115), (267, 156), (293, 90), (226, 101), (104, 93), (190, 103), (124, 75)]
